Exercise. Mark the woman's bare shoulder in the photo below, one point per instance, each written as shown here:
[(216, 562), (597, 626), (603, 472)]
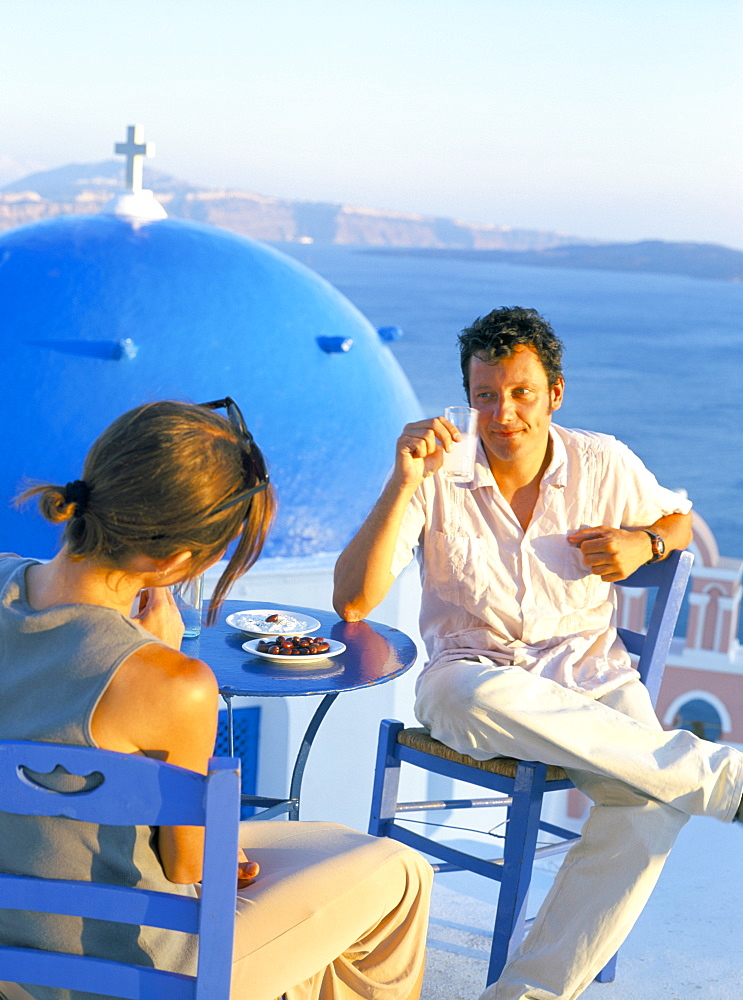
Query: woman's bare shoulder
[(157, 693)]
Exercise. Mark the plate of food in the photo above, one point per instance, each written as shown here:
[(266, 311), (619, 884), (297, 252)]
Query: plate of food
[(294, 651), (272, 621)]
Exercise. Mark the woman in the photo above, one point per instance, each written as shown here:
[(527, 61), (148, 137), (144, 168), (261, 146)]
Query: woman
[(165, 489)]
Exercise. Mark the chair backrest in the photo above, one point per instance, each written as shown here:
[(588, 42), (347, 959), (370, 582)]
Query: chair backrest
[(131, 791), (670, 576)]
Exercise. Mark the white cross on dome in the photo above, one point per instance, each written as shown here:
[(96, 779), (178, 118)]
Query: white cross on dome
[(134, 149), (135, 202)]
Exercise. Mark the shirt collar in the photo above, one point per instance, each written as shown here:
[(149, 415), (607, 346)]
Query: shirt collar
[(556, 473)]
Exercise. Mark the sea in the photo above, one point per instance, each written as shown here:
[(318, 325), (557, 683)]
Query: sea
[(656, 360)]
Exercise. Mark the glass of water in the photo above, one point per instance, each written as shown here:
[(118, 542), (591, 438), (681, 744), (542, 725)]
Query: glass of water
[(189, 598), (459, 461)]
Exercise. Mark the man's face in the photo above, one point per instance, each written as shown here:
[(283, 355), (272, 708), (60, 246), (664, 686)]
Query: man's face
[(515, 404)]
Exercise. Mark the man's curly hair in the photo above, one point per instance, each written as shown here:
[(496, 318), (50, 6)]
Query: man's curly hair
[(494, 337)]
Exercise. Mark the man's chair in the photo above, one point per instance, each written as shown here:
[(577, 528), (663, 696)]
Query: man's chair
[(522, 784), (131, 790)]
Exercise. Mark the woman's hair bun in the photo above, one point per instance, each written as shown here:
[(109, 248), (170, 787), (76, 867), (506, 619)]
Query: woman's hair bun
[(54, 503)]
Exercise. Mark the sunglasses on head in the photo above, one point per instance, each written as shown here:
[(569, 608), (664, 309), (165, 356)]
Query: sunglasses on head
[(234, 415)]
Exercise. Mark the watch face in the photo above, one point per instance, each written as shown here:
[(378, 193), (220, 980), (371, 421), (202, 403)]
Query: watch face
[(658, 546)]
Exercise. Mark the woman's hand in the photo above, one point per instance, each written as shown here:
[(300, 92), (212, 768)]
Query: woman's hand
[(246, 870), (160, 616)]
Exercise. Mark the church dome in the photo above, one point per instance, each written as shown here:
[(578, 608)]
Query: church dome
[(102, 312)]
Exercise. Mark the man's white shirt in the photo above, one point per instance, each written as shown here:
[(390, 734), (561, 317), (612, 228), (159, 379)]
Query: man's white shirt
[(497, 593)]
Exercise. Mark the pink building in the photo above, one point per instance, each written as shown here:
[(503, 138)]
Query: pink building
[(703, 683), (702, 686)]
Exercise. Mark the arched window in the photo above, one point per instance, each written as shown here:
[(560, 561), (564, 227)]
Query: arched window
[(699, 717)]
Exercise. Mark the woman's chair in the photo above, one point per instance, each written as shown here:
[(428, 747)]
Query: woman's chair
[(522, 784), (131, 790)]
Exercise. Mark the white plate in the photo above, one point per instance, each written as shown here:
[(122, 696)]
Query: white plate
[(292, 662), (253, 622)]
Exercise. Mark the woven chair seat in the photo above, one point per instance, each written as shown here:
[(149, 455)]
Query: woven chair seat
[(421, 739)]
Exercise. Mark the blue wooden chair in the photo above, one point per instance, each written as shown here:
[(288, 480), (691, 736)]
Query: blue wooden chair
[(522, 784), (133, 791)]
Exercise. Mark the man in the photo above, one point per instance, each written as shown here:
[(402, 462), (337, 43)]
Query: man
[(516, 568)]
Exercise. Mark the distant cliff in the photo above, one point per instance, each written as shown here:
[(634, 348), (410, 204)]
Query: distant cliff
[(84, 188)]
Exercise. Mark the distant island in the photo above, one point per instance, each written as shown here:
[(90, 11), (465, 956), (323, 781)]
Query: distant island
[(693, 260), (86, 188)]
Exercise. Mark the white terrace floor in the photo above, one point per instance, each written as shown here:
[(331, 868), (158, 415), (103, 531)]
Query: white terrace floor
[(688, 944)]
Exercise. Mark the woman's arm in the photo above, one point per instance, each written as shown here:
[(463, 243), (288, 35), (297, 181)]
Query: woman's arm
[(163, 704)]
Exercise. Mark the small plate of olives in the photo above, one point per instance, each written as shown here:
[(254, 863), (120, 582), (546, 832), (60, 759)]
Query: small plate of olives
[(294, 651)]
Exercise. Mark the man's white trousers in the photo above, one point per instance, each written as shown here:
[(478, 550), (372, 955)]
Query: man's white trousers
[(645, 784)]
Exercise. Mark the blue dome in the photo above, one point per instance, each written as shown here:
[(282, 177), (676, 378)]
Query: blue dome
[(100, 313)]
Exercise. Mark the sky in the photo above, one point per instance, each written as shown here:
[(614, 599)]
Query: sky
[(605, 119)]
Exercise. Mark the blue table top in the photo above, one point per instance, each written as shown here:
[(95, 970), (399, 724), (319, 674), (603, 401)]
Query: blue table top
[(374, 654)]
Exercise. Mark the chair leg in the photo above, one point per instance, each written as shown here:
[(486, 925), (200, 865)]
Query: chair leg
[(518, 861), (386, 779), (609, 971)]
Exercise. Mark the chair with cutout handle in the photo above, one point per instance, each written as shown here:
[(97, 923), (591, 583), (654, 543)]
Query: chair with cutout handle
[(129, 790)]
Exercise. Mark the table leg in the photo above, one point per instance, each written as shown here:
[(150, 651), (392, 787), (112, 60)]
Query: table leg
[(230, 729), (304, 749), (273, 807)]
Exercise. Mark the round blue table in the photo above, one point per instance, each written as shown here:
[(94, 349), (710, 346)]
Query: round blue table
[(374, 654)]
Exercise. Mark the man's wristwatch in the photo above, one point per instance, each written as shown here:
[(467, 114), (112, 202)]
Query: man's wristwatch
[(659, 546)]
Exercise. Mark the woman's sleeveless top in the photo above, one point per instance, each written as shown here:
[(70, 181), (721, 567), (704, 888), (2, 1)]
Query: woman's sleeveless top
[(54, 667)]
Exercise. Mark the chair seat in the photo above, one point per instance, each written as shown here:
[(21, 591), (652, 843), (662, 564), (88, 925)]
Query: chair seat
[(420, 739)]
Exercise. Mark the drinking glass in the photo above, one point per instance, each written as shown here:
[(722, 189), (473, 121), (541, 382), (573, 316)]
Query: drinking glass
[(459, 461), (189, 598)]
